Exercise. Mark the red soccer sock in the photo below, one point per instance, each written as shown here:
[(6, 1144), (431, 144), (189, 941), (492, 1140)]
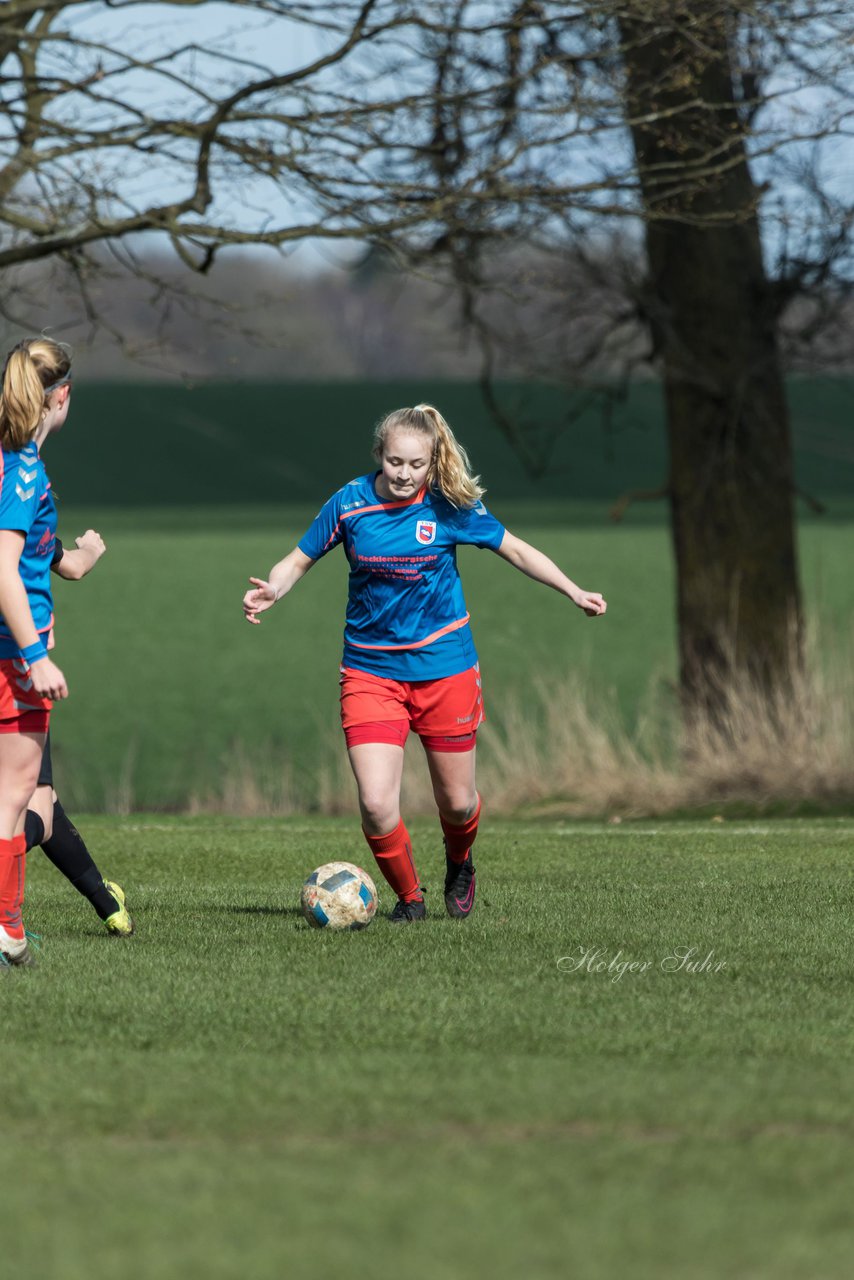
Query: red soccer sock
[(13, 865), (459, 840), (393, 853)]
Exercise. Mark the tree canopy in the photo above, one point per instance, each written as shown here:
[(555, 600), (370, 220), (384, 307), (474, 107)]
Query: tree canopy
[(393, 120)]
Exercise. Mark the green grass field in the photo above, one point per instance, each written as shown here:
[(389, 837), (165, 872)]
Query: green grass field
[(169, 685), (229, 1093)]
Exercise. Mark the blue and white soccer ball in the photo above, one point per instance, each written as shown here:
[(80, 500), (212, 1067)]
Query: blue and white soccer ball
[(339, 895)]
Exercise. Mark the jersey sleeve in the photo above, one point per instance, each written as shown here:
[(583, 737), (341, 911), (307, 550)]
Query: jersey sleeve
[(20, 492), (478, 527), (324, 532)]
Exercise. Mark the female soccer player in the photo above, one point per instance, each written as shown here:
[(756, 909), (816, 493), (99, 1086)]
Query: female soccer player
[(34, 396), (409, 659)]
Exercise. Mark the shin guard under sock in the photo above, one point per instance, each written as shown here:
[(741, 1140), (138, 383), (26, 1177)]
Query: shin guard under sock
[(459, 840), (68, 853), (13, 865), (393, 853)]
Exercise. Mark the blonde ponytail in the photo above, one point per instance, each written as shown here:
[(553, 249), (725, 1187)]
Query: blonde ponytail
[(450, 469), (33, 370)]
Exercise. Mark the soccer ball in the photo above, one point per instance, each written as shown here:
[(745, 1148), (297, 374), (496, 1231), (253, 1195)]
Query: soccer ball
[(339, 895)]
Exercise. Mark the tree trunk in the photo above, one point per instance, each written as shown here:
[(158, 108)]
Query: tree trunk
[(714, 324)]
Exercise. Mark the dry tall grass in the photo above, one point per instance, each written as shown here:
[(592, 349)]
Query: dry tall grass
[(798, 750), (562, 750)]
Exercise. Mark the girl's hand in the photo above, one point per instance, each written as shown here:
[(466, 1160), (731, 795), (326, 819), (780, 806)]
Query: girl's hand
[(261, 597), (591, 602), (93, 543), (48, 680)]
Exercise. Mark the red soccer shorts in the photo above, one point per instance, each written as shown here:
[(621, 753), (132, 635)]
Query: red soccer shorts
[(444, 713), (21, 708)]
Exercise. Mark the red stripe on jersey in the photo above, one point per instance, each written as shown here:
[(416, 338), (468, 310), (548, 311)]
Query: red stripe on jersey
[(387, 506), (417, 644), (378, 506)]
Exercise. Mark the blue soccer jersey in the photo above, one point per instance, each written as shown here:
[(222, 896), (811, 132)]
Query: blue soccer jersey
[(406, 615), (26, 504)]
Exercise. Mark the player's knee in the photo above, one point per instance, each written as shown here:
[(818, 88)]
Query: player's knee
[(457, 806), (379, 811)]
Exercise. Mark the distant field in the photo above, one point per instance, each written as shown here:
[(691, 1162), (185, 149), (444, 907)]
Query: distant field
[(231, 1094), (169, 684)]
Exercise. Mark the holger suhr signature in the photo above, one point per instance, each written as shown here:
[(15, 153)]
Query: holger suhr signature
[(681, 959)]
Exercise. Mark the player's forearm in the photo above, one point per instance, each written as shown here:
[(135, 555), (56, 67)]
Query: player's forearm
[(539, 567), (535, 564), (287, 573), (75, 564)]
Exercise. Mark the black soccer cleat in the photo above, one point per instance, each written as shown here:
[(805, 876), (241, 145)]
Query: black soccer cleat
[(408, 912), (459, 887)]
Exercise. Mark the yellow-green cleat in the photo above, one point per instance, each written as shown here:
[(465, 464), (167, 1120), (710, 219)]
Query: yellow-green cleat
[(119, 924)]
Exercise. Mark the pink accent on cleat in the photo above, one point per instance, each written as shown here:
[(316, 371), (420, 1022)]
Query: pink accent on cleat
[(464, 904)]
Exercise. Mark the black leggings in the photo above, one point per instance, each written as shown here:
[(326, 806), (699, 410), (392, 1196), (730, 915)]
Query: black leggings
[(46, 768)]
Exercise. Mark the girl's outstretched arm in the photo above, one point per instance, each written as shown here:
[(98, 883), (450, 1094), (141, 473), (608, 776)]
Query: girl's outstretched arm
[(538, 566), (265, 592)]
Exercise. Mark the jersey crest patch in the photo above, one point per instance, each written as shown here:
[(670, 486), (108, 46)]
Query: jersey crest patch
[(425, 532)]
